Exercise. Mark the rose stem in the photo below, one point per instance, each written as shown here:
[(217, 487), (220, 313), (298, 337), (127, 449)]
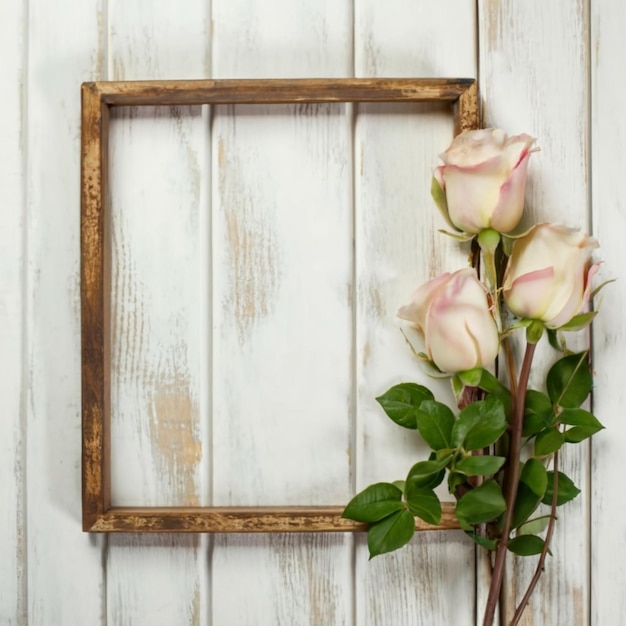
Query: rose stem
[(546, 546), (513, 459)]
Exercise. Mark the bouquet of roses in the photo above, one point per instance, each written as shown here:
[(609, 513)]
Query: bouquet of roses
[(500, 450)]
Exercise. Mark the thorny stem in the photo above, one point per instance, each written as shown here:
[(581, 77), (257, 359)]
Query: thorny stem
[(515, 447), (546, 546)]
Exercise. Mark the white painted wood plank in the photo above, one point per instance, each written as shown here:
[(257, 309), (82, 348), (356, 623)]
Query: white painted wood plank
[(282, 283), (13, 599), (409, 38), (153, 580), (398, 248), (160, 313), (608, 128), (524, 93), (156, 160), (65, 583), (282, 39), (282, 332)]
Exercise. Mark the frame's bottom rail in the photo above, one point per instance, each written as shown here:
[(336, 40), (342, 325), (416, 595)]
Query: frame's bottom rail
[(295, 519)]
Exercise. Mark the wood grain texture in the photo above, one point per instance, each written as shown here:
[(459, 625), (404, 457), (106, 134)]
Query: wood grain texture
[(523, 93), (94, 288), (608, 129), (263, 519), (13, 599), (280, 91), (62, 566), (158, 315), (397, 248)]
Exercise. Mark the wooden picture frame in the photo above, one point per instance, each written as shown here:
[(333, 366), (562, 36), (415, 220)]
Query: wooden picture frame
[(97, 100)]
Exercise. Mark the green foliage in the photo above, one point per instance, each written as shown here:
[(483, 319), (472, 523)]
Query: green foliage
[(486, 381), (401, 402), (435, 421), (535, 476), (391, 533), (550, 420), (548, 441), (423, 503), (534, 331), (485, 542), (526, 503), (534, 526), (427, 474), (479, 465), (480, 424), (482, 504), (374, 503), (569, 381), (578, 322), (538, 413), (526, 545), (566, 489), (584, 424), (530, 491)]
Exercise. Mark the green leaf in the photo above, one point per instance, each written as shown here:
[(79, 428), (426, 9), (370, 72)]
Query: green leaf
[(439, 196), (480, 424), (401, 401), (485, 380), (391, 533), (538, 413), (480, 465), (400, 484), (427, 474), (555, 341), (479, 505), (584, 424), (548, 441), (578, 322), (569, 381), (490, 384), (485, 542), (534, 526), (526, 545), (434, 422), (374, 503), (470, 378), (535, 476), (424, 503), (567, 490), (454, 480), (526, 502)]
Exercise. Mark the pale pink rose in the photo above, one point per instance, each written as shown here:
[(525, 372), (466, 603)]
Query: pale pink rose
[(452, 313), (549, 273), (483, 180)]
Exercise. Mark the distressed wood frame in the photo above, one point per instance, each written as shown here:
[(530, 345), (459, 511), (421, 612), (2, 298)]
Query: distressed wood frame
[(97, 100)]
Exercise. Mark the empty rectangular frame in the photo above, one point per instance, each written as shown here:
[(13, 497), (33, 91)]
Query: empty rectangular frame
[(97, 100)]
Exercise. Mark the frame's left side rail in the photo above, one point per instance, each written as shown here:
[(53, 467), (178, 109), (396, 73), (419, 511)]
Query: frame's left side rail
[(94, 400)]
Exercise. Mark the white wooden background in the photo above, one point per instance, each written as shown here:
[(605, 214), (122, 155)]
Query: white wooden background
[(259, 257)]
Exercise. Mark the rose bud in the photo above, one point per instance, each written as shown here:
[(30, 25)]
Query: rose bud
[(482, 181), (452, 314), (548, 275)]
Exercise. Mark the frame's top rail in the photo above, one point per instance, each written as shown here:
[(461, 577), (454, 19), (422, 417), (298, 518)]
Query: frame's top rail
[(277, 91)]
